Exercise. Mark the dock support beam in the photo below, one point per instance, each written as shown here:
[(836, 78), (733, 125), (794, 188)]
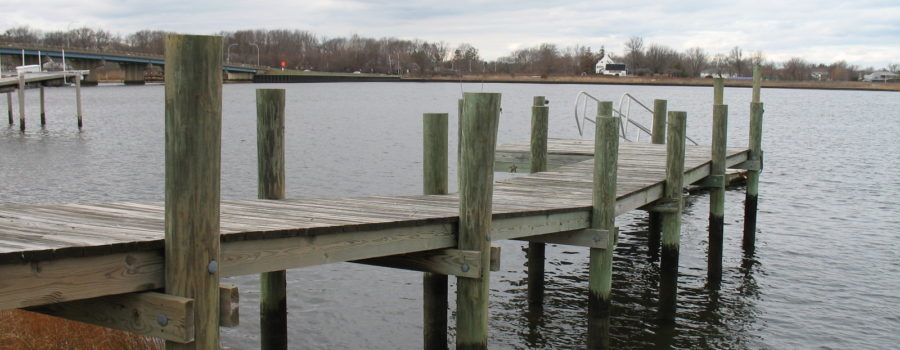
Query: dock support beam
[(270, 169), (78, 99), (603, 217), (658, 136), (21, 102), (717, 194), (435, 181), (671, 219), (481, 114), (539, 129), (752, 199), (193, 161)]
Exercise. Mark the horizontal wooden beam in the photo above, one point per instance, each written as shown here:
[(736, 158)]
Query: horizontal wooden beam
[(591, 238), (460, 263), (748, 165), (711, 181), (149, 313), (666, 206)]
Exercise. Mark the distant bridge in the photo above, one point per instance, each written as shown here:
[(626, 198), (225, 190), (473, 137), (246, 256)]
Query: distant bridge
[(134, 64)]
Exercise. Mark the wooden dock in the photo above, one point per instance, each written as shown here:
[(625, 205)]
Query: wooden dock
[(42, 79), (106, 263)]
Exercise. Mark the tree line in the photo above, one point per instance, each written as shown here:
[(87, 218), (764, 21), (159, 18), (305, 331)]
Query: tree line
[(303, 50)]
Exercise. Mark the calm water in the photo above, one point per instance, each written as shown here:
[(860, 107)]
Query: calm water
[(826, 273)]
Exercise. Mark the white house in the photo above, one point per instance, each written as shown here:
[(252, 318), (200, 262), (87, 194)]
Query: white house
[(606, 66), (881, 76)]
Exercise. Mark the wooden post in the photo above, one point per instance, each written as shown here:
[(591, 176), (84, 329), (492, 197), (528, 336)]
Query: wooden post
[(9, 107), (718, 91), (270, 167), (757, 81), (435, 181), (671, 219), (538, 163), (717, 194), (43, 114), (752, 199), (481, 115), (193, 161), (78, 98), (21, 102), (658, 136), (459, 130), (603, 217)]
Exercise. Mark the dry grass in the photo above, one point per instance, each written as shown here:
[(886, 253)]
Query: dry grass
[(594, 79), (30, 331)]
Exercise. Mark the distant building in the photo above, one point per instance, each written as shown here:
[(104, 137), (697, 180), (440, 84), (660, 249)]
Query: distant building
[(881, 76), (819, 74), (606, 66)]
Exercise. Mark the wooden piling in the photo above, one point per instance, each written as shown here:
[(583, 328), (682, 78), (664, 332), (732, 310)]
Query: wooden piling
[(752, 199), (193, 99), (9, 107), (717, 194), (603, 217), (21, 92), (43, 114), (718, 91), (435, 181), (671, 217), (78, 98), (658, 136), (757, 82), (538, 163), (481, 114), (271, 173)]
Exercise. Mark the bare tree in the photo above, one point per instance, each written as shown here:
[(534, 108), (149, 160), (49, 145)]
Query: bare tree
[(795, 69), (660, 59), (695, 61), (736, 60), (634, 53)]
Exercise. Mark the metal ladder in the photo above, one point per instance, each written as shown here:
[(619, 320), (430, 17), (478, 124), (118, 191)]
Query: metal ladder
[(627, 124)]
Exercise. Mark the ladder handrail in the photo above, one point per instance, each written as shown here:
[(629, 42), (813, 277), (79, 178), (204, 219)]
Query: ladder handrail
[(626, 121)]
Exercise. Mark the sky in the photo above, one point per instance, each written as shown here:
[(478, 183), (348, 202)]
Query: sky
[(862, 32)]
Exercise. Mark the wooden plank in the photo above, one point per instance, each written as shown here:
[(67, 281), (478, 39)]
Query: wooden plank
[(589, 238), (150, 313)]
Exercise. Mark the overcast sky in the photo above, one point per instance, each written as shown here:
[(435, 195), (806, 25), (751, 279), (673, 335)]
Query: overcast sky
[(862, 32)]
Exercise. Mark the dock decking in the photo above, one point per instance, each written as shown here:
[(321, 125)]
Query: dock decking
[(54, 253)]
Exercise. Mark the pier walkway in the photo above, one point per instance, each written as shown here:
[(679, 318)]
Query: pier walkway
[(55, 253)]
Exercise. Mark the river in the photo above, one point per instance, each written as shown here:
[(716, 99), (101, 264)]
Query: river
[(825, 274)]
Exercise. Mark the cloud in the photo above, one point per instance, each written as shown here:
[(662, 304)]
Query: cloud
[(862, 32)]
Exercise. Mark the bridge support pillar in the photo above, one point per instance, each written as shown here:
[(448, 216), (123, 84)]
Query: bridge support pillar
[(91, 65), (134, 73)]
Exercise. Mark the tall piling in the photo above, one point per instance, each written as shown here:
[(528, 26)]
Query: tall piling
[(672, 206), (193, 113), (752, 199), (718, 91), (717, 194), (538, 163), (21, 92), (481, 114), (435, 146), (658, 136), (270, 104), (9, 107), (603, 217), (43, 113), (78, 98)]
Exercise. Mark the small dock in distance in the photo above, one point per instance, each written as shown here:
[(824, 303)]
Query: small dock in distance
[(154, 268), (26, 78)]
